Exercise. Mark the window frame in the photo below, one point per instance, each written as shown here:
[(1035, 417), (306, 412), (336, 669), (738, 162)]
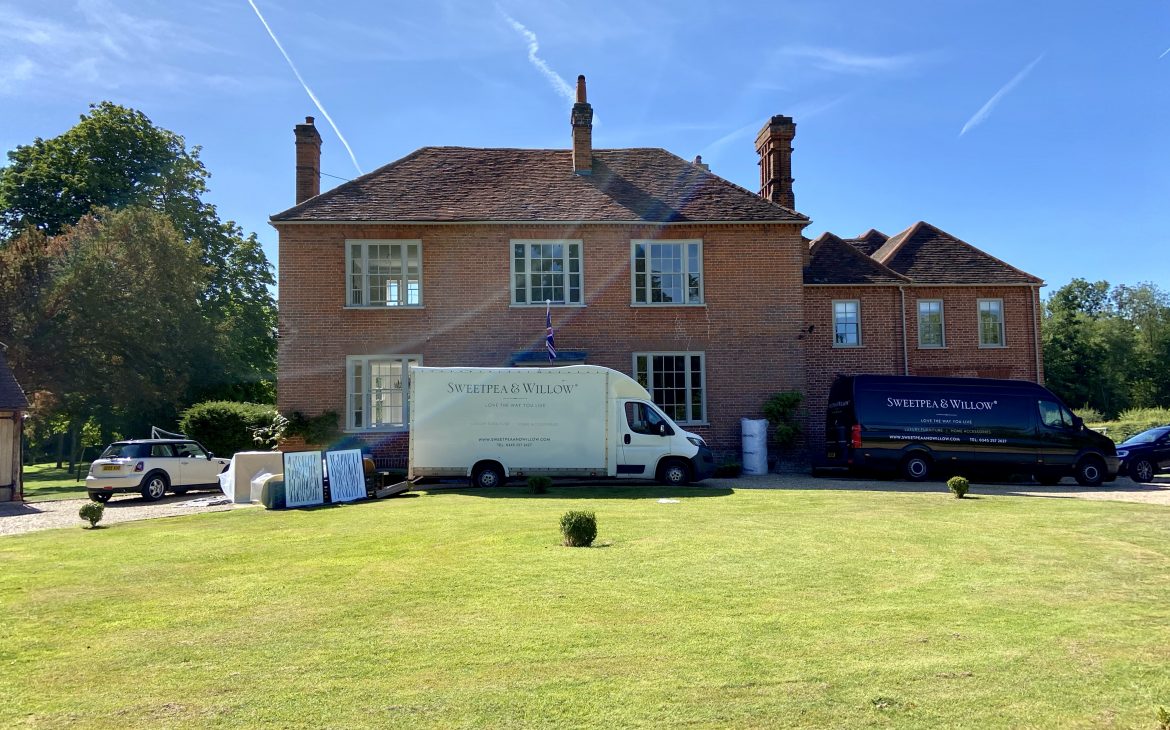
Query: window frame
[(650, 355), (846, 345), (403, 280), (366, 394), (684, 244), (526, 242), (942, 325), (979, 323)]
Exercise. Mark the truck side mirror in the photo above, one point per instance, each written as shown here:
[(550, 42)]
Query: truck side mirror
[(1078, 423)]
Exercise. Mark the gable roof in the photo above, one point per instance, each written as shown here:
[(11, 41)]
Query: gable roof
[(464, 184), (835, 261), (929, 255), (11, 395), (869, 241)]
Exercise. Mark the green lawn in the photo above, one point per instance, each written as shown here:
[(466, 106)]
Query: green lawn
[(750, 608), (45, 481)]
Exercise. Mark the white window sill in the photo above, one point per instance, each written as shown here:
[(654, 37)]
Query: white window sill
[(382, 307), (992, 347), (659, 305), (933, 347), (537, 305), (848, 347)]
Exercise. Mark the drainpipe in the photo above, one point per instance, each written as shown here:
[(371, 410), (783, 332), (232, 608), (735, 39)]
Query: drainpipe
[(905, 350)]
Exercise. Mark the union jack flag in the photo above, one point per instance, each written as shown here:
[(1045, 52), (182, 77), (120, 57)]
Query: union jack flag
[(548, 337)]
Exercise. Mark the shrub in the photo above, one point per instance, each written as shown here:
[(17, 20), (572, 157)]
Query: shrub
[(315, 430), (270, 435), (92, 511), (959, 486), (226, 427), (579, 529), (729, 469), (781, 411), (1089, 414), (539, 484)]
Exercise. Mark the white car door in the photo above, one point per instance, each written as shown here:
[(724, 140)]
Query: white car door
[(196, 465)]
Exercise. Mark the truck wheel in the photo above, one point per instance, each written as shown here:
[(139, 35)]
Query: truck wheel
[(487, 476), (916, 467), (1090, 472), (154, 487), (100, 497), (1142, 470), (674, 473)]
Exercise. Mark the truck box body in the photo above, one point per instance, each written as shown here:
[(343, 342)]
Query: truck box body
[(915, 425), (576, 421)]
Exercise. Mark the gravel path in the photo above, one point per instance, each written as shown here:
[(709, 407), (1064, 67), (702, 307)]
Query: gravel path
[(18, 518)]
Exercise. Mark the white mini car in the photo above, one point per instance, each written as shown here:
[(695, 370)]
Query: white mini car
[(153, 467)]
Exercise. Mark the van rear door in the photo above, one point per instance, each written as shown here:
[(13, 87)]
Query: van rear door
[(839, 421)]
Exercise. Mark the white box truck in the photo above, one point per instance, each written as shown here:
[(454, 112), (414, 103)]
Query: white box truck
[(489, 424)]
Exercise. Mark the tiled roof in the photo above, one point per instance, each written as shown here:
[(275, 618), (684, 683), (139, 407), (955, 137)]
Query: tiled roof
[(931, 256), (468, 184), (11, 395), (834, 261), (868, 242)]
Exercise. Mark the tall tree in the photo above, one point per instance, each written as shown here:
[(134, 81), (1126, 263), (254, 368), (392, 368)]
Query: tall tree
[(117, 158)]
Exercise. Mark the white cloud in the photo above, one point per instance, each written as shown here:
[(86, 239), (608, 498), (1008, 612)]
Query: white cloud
[(840, 61), (985, 110)]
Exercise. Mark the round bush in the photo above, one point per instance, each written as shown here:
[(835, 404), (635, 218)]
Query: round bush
[(539, 484), (579, 529), (226, 427), (959, 486), (92, 511)]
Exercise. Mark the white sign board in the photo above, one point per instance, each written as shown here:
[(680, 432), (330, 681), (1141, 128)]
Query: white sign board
[(304, 481), (347, 478)]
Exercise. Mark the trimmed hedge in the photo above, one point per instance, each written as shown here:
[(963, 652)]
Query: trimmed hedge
[(1132, 422), (225, 427)]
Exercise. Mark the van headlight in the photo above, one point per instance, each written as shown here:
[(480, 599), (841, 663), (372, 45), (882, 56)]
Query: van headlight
[(696, 441), (1122, 453)]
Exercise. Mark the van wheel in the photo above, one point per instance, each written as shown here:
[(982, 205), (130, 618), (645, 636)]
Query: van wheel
[(916, 468), (674, 473), (1142, 471), (1090, 472), (487, 476)]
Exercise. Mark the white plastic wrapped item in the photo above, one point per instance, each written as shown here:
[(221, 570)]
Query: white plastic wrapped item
[(755, 445)]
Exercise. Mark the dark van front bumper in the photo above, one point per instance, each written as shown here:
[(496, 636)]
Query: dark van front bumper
[(702, 464)]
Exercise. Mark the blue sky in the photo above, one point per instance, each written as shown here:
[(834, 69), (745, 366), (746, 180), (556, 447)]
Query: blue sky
[(1038, 131)]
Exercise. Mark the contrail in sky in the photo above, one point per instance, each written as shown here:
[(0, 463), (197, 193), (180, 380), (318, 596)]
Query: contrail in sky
[(1164, 52), (985, 111), (560, 85), (306, 86)]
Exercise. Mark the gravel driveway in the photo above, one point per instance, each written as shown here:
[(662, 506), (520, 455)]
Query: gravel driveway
[(16, 518)]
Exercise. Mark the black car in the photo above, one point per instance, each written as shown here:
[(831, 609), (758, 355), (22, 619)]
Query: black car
[(1146, 454)]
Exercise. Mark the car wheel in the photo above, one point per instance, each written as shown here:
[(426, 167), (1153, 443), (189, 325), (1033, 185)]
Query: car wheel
[(154, 487), (1090, 472), (1048, 480), (675, 473), (100, 497), (916, 467), (487, 476), (1142, 470)]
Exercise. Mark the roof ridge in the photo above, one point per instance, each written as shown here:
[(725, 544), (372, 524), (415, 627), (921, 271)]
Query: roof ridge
[(980, 251), (727, 182)]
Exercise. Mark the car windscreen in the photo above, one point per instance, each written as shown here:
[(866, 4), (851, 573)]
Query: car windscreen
[(126, 451), (1146, 437)]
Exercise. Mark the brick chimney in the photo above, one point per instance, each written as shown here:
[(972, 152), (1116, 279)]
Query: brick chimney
[(774, 145), (308, 161), (582, 119)]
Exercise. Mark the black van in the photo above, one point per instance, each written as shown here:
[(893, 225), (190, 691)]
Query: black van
[(913, 426)]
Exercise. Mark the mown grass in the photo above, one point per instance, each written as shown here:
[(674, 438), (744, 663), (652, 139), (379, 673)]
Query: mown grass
[(751, 608), (44, 482)]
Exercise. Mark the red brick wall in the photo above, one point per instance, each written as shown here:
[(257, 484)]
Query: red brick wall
[(748, 329), (881, 336)]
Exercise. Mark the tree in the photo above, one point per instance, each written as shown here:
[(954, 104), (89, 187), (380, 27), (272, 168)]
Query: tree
[(116, 158)]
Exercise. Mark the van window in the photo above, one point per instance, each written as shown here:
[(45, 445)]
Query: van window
[(641, 418), (1054, 415)]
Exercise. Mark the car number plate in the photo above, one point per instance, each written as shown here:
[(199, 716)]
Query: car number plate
[(832, 454), (110, 467)]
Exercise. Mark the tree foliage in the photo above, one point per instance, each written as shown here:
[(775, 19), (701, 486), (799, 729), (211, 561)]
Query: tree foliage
[(1108, 348), (123, 288)]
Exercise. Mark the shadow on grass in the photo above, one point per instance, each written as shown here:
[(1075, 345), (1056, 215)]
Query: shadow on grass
[(584, 490), (988, 485)]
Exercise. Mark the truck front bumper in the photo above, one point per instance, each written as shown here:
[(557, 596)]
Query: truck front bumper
[(703, 464)]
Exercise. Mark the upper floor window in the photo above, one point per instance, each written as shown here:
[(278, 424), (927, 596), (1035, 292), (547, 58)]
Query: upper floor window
[(377, 390), (991, 323), (384, 273), (546, 271), (676, 382), (930, 323), (846, 323), (667, 272)]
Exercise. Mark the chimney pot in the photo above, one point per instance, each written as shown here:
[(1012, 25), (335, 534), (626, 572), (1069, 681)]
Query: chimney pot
[(308, 120)]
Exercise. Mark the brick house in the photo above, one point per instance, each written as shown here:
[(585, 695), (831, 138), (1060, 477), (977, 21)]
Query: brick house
[(705, 292)]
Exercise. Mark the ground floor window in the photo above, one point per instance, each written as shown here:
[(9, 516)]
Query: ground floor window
[(378, 386), (676, 381)]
